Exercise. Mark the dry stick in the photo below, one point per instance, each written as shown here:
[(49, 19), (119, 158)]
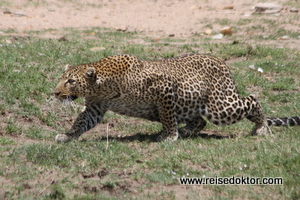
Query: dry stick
[(46, 187), (107, 135)]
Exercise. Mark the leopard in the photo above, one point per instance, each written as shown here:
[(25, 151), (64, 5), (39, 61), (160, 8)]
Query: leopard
[(186, 91)]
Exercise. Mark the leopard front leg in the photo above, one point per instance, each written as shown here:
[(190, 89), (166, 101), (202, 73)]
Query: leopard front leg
[(169, 124), (166, 110), (86, 120)]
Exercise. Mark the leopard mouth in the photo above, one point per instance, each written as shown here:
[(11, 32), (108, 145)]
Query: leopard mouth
[(68, 98), (72, 97)]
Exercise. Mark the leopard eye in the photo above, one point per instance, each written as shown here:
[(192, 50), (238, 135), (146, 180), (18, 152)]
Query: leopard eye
[(71, 81)]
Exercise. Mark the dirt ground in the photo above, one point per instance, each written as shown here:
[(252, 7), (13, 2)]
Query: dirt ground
[(157, 18)]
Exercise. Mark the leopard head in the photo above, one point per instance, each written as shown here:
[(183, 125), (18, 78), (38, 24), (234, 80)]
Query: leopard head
[(75, 82)]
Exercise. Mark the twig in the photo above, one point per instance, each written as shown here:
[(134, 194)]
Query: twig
[(46, 187), (107, 135)]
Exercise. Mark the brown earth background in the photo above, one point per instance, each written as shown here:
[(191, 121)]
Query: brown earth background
[(156, 18)]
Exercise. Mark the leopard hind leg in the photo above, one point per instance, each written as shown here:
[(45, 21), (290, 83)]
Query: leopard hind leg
[(192, 126), (257, 116), (230, 113)]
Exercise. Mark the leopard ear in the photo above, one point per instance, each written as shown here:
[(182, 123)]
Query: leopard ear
[(67, 66), (90, 72)]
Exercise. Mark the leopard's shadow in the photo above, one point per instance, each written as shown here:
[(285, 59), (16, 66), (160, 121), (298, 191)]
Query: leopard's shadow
[(142, 137)]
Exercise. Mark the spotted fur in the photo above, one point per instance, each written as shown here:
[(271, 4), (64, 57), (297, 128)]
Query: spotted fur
[(172, 91)]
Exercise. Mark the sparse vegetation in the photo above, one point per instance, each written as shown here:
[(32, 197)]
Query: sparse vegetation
[(129, 164)]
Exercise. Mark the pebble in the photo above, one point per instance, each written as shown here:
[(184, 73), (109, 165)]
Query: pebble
[(226, 31), (193, 7), (251, 66), (228, 8), (294, 10), (63, 38), (7, 41), (267, 8), (7, 12), (208, 32), (265, 36), (218, 36), (156, 39), (18, 14), (97, 49), (284, 38), (260, 70), (122, 28)]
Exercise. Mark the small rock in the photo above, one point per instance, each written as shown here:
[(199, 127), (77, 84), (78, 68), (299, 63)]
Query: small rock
[(122, 29), (251, 66), (265, 36), (171, 35), (226, 31), (63, 38), (267, 8), (133, 191), (97, 49), (7, 41), (228, 8), (284, 38), (218, 36), (294, 10), (18, 14), (260, 70), (193, 7), (130, 29), (269, 78), (208, 32), (156, 39), (103, 173), (7, 12)]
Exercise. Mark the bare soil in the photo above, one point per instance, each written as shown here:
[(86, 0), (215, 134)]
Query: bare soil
[(156, 18)]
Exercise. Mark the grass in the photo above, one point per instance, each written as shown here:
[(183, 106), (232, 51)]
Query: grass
[(130, 165)]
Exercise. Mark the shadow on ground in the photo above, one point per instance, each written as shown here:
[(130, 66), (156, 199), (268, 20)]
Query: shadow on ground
[(142, 137)]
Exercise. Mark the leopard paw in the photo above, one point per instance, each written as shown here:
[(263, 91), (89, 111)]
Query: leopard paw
[(63, 138), (185, 133), (261, 130), (167, 137)]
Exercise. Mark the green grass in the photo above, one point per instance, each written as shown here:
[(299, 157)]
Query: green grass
[(129, 165), (5, 3)]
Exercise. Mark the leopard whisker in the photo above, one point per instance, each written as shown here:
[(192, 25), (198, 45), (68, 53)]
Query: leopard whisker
[(67, 102)]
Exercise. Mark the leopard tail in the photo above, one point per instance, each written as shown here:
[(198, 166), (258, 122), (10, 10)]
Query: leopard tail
[(284, 121)]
